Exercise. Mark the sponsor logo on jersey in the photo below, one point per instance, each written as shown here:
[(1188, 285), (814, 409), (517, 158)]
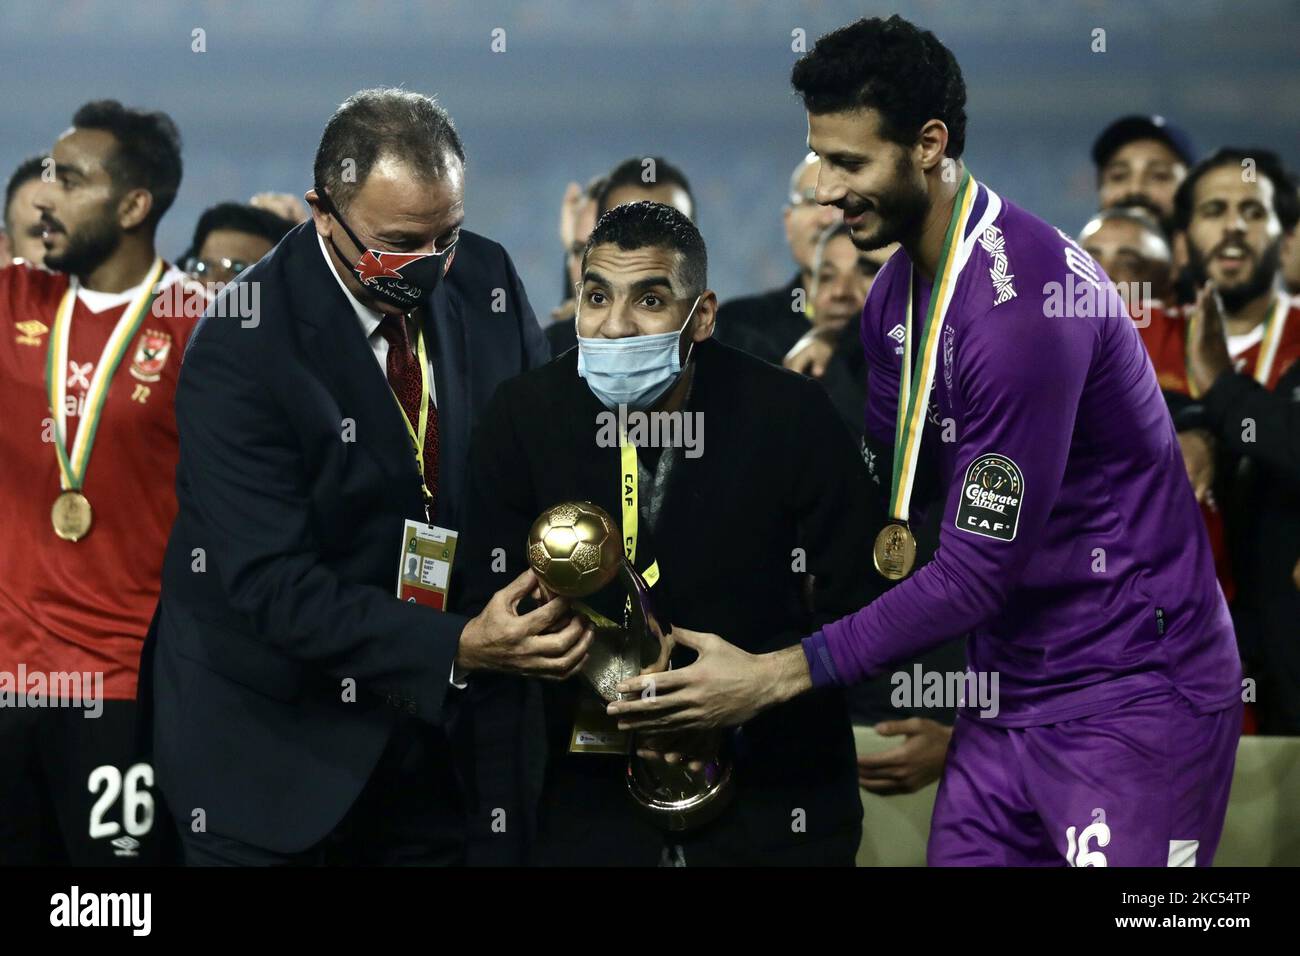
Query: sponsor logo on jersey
[(991, 494), (30, 332), (151, 353), (870, 459), (79, 374), (126, 846), (932, 409), (995, 245), (948, 334)]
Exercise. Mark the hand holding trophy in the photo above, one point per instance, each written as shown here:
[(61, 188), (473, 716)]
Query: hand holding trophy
[(575, 550)]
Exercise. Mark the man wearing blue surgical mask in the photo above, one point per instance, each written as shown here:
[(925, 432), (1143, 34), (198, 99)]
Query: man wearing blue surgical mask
[(636, 331), (751, 503)]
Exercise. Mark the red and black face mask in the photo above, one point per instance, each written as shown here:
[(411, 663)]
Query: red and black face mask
[(398, 278)]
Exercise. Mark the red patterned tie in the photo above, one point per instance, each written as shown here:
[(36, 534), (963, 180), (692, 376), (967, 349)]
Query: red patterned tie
[(404, 378)]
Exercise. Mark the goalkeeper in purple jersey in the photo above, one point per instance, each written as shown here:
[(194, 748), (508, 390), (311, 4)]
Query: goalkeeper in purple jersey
[(1071, 552)]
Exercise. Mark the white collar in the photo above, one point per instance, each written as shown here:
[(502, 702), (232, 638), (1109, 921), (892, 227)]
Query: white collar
[(369, 318), (99, 301), (1245, 340)]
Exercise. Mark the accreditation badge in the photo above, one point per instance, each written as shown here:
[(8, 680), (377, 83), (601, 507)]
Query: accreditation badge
[(424, 567)]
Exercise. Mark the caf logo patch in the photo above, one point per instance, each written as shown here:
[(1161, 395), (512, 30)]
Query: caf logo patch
[(991, 494)]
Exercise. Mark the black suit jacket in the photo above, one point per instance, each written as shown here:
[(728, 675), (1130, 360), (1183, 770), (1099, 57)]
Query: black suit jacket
[(778, 472), (1259, 489), (562, 336), (295, 475), (765, 325)]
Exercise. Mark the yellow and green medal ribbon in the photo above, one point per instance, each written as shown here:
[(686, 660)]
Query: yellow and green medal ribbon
[(917, 375), (74, 462)]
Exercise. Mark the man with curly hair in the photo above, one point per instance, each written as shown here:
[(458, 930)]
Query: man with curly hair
[(1071, 550)]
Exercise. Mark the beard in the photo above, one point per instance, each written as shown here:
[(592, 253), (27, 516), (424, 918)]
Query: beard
[(1259, 281), (88, 247), (901, 212), (1139, 201)]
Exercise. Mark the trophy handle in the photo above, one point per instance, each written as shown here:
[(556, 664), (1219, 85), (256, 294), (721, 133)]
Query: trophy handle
[(621, 653), (649, 639)]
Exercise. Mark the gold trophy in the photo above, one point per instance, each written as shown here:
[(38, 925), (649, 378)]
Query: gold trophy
[(575, 550)]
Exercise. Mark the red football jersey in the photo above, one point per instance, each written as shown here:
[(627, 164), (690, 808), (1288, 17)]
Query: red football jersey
[(1166, 341), (86, 605), (1279, 348)]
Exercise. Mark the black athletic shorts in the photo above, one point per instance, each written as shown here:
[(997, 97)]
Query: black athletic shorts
[(77, 789)]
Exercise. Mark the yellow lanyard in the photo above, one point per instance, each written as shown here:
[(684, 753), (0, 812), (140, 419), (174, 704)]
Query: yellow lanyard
[(630, 513), (418, 434)]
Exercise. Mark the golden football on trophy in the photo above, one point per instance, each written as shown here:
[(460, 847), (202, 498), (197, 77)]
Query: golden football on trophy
[(574, 548)]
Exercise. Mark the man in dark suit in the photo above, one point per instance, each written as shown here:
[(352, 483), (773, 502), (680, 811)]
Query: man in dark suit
[(761, 488), (768, 324), (304, 714)]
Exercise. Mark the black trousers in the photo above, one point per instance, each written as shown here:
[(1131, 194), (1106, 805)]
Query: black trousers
[(410, 813)]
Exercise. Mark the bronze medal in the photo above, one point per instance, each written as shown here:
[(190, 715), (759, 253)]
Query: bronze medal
[(71, 516), (894, 553)]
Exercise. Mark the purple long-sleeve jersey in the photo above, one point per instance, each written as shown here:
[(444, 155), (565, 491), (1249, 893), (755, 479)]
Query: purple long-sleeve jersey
[(1072, 551)]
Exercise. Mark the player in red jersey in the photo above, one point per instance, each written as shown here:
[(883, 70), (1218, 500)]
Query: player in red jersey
[(1237, 212), (1133, 249), (88, 366)]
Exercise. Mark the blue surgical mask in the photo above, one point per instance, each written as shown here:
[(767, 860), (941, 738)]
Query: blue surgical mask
[(634, 371)]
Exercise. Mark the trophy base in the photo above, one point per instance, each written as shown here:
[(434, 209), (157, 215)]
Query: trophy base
[(678, 799)]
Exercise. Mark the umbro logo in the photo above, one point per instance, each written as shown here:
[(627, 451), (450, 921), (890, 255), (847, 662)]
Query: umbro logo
[(898, 334), (126, 846), (30, 332)]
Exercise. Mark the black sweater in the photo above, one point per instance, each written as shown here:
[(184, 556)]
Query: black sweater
[(778, 489)]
